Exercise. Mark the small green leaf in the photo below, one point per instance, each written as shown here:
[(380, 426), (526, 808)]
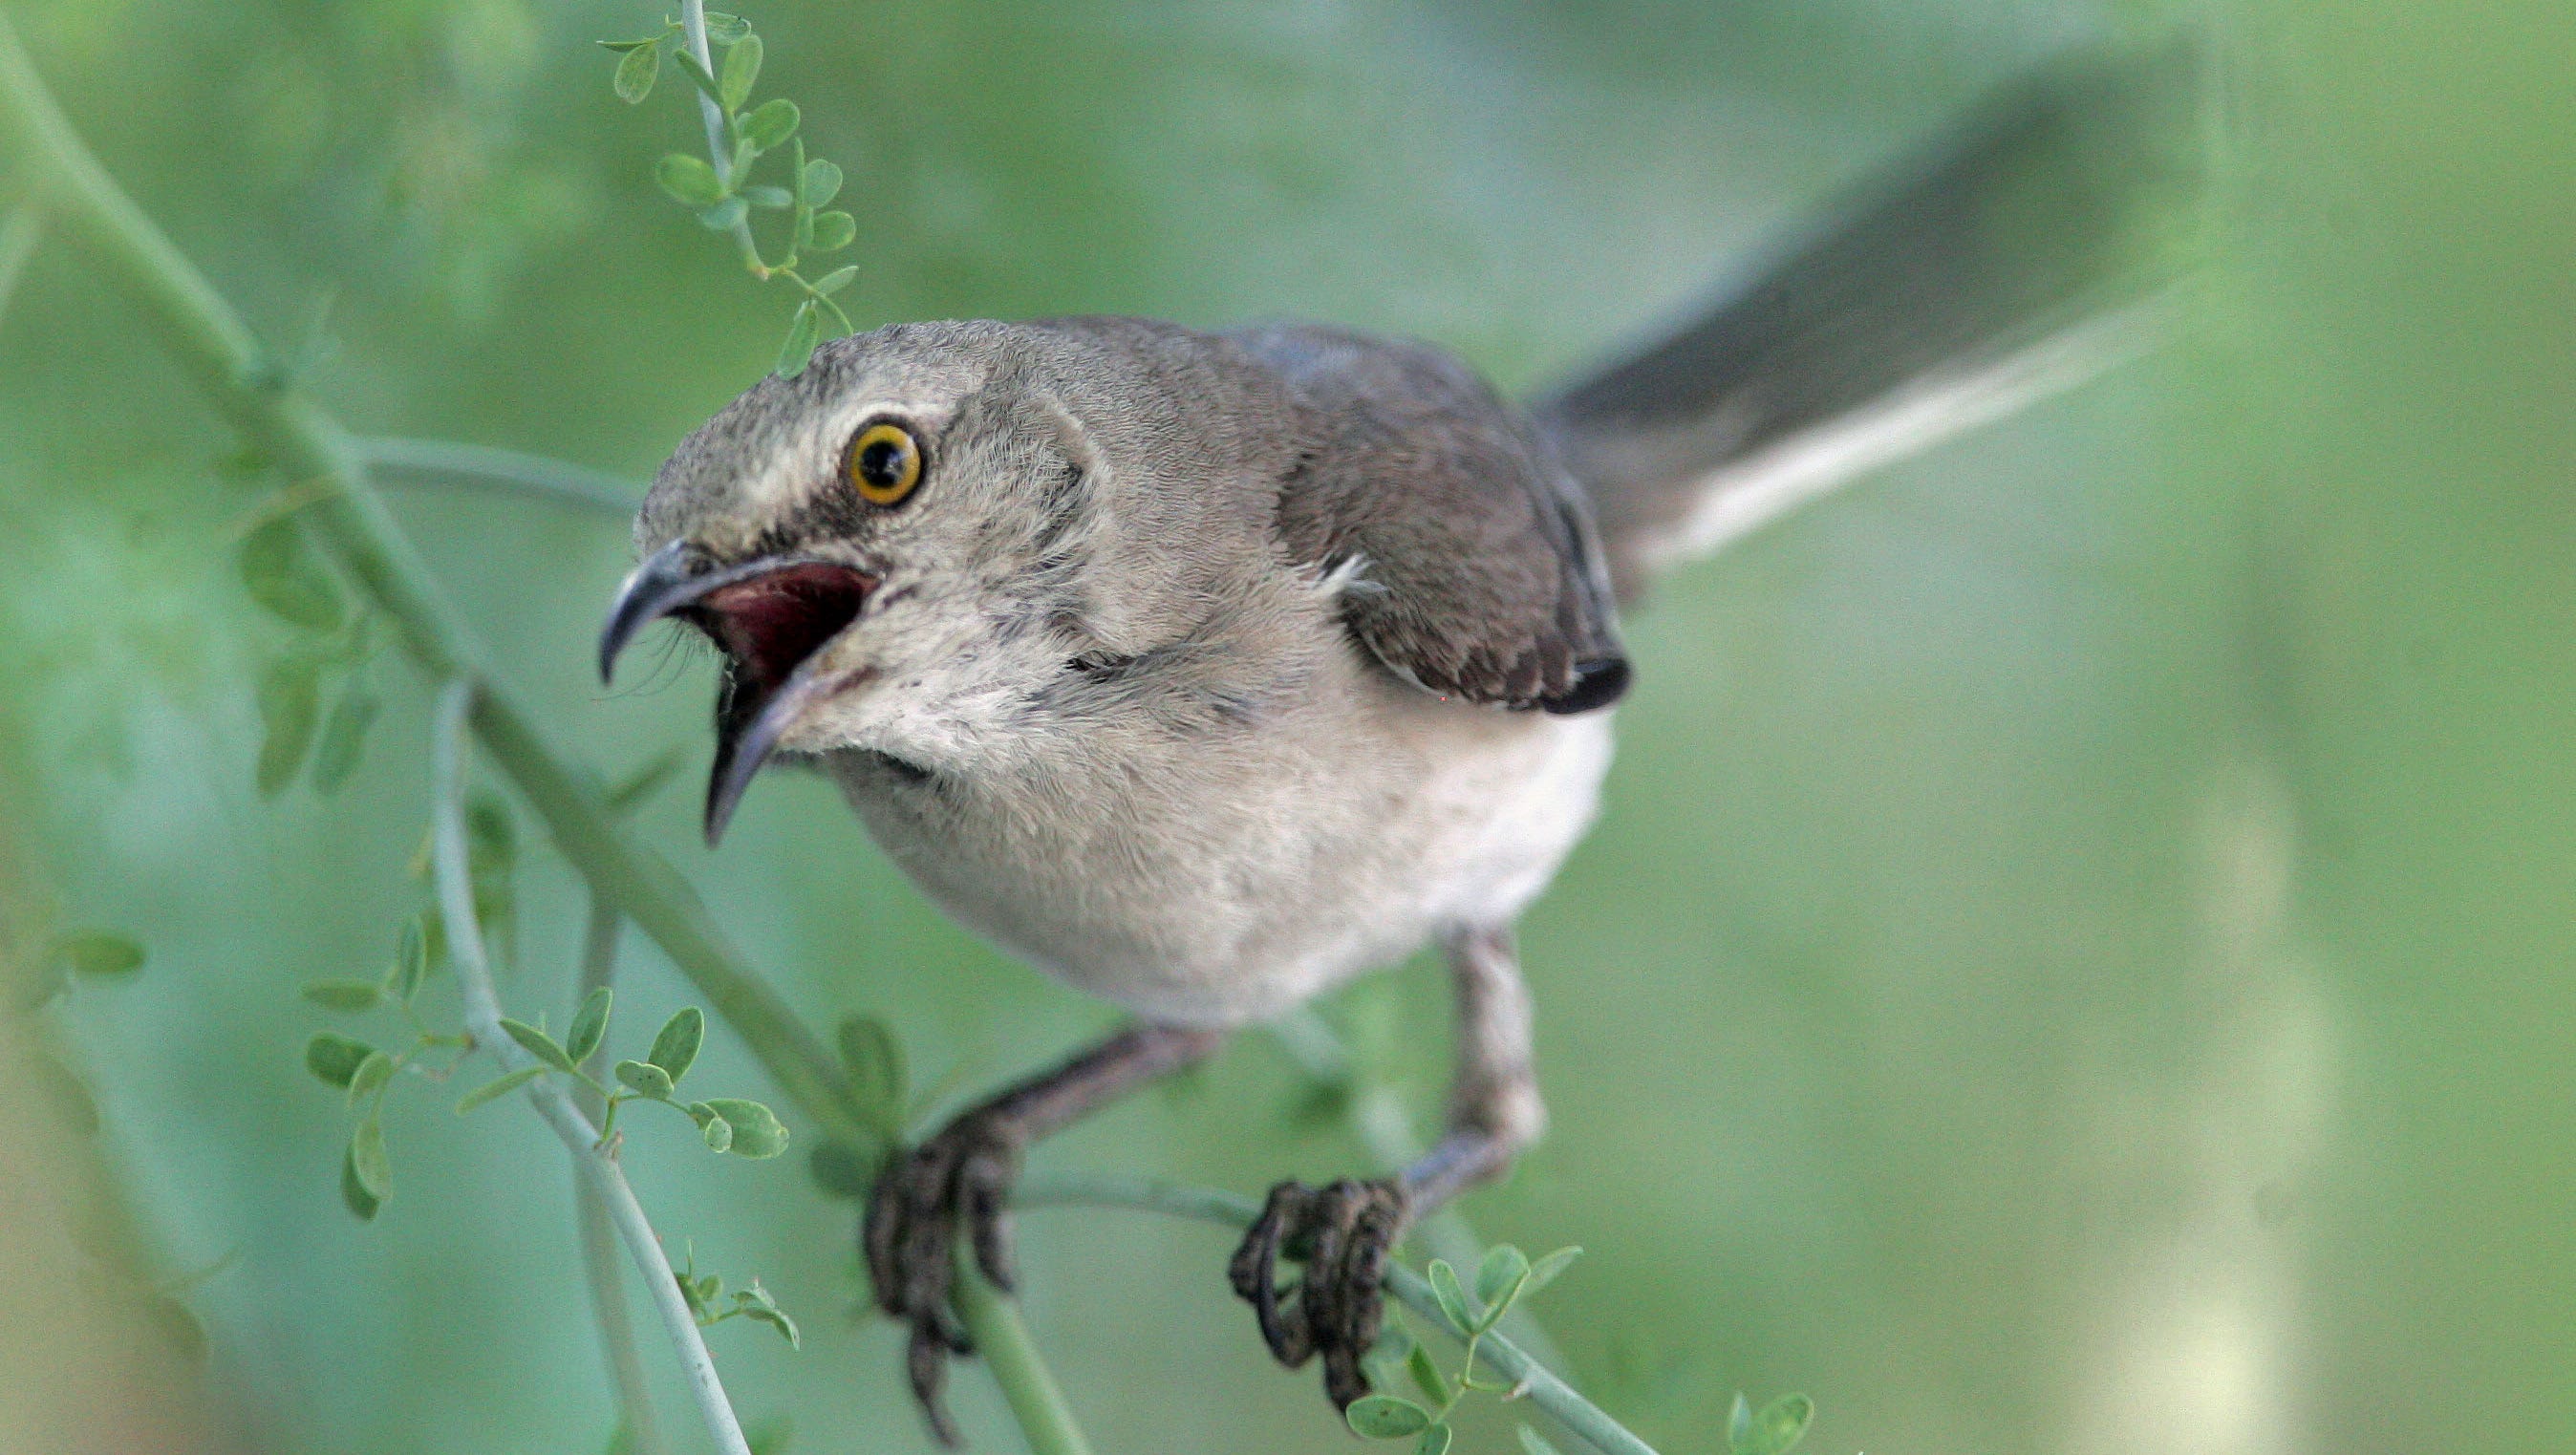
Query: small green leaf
[(841, 1169), (589, 1025), (741, 69), (874, 1059), (537, 1043), (344, 738), (1453, 1299), (411, 959), (353, 1192), (836, 280), (335, 1058), (675, 1047), (771, 123), (834, 231), (1739, 1421), (755, 1303), (756, 1129), (726, 29), (621, 47), (645, 1078), (804, 331), (822, 183), (774, 199), (1534, 1443), (638, 70), (374, 1171), (690, 180), (718, 1132), (1385, 1417), (348, 996), (370, 1077), (495, 1089), (1544, 1271), (1499, 1278), (96, 952), (697, 74), (1435, 1441), (1427, 1376), (284, 576), (290, 702), (1777, 1427), (724, 215)]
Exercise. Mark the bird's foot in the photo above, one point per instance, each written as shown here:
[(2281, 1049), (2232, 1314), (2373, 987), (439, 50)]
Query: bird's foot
[(962, 1175), (1342, 1234)]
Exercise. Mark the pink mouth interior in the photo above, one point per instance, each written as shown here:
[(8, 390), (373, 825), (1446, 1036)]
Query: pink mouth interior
[(770, 624)]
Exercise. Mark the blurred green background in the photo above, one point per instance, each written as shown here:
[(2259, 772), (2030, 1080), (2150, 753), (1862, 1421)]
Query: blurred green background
[(2077, 955)]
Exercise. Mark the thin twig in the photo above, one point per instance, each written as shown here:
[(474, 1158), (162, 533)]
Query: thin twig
[(209, 342), (598, 1233), (1549, 1393), (693, 22), (448, 462), (482, 1011)]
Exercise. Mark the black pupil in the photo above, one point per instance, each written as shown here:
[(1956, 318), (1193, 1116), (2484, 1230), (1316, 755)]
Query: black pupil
[(881, 464)]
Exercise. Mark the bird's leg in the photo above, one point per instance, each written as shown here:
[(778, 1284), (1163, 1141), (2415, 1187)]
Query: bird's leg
[(964, 1173), (1343, 1233)]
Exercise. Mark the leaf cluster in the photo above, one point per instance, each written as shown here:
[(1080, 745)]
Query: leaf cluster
[(1504, 1278), (705, 1295), (720, 190), (303, 719)]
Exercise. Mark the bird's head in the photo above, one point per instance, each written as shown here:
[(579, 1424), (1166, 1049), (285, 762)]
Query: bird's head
[(900, 547)]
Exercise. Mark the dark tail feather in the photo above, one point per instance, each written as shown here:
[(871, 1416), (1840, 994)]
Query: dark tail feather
[(1989, 271)]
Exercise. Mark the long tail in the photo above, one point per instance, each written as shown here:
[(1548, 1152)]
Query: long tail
[(2008, 263)]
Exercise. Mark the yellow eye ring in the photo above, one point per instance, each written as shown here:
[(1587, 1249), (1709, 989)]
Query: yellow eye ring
[(884, 464)]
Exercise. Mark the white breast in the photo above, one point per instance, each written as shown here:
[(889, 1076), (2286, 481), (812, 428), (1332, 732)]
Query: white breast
[(1218, 877)]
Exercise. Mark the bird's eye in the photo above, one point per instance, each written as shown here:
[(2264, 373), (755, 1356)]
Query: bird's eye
[(885, 464)]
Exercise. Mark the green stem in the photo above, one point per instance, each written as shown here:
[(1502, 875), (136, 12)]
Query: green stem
[(598, 1233), (1002, 1338), (491, 469), (212, 345), (1554, 1395), (482, 1011)]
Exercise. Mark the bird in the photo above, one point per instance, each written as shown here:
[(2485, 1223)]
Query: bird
[(1208, 670)]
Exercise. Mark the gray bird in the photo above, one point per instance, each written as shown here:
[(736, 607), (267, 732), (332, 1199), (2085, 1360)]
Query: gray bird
[(1206, 671)]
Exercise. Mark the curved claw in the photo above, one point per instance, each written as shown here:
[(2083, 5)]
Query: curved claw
[(909, 1237), (1343, 1234)]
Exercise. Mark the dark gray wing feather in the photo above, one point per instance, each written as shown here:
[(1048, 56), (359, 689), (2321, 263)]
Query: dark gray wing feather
[(1476, 573)]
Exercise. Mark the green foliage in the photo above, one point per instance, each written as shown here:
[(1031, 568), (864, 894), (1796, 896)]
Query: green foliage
[(98, 953), (1772, 1430), (719, 188), (705, 1295), (1505, 1278)]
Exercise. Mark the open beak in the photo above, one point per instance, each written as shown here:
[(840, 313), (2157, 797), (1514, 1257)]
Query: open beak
[(770, 616)]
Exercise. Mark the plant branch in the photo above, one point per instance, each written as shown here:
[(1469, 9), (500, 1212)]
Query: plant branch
[(1554, 1395), (210, 343), (598, 1232), (693, 25), (482, 1009), (446, 462)]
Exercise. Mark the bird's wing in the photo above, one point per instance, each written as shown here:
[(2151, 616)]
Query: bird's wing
[(1469, 563), (1996, 268)]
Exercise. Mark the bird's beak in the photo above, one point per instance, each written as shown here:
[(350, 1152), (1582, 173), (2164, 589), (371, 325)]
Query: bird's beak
[(770, 615)]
